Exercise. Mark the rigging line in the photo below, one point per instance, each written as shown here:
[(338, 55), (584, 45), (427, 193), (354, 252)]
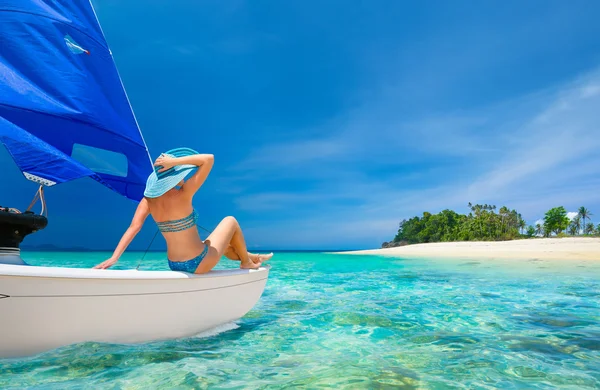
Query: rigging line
[(44, 211), (35, 199), (140, 262), (205, 229), (39, 195)]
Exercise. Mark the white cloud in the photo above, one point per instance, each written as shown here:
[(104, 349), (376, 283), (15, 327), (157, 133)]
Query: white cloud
[(567, 131), (572, 214), (372, 167)]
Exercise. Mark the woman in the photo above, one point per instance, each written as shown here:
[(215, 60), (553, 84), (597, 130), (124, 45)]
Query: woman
[(168, 198)]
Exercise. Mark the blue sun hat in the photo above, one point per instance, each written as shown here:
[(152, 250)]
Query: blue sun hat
[(159, 183)]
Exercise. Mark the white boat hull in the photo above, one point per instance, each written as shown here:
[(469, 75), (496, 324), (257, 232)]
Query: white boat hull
[(43, 308)]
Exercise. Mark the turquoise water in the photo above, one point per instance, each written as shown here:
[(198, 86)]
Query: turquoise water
[(361, 322)]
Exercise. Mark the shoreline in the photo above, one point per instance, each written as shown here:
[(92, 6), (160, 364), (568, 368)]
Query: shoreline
[(568, 248)]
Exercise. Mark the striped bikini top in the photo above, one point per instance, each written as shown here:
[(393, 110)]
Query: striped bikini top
[(178, 225)]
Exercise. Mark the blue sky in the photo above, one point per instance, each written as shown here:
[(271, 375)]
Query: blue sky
[(332, 121)]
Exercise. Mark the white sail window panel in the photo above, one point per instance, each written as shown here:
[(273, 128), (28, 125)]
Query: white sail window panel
[(100, 160)]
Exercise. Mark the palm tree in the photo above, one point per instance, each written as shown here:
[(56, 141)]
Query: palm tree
[(503, 212), (573, 229), (584, 214), (589, 228), (576, 223), (539, 230), (522, 224)]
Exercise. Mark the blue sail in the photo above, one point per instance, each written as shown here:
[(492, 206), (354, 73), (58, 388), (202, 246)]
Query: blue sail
[(64, 113), (28, 150)]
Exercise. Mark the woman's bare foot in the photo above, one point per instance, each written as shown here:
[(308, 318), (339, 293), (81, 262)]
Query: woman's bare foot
[(257, 258), (250, 265)]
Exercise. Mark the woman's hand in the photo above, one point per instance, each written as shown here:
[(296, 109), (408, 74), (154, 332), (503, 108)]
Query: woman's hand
[(166, 162), (106, 264)]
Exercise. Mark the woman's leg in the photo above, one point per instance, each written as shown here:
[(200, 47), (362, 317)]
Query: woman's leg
[(231, 254), (227, 234)]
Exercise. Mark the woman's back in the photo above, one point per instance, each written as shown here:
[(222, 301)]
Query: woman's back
[(174, 214)]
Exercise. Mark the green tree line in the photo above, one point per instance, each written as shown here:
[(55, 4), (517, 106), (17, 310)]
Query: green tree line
[(484, 223)]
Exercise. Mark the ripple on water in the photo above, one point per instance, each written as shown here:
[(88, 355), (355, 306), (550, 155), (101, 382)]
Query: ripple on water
[(552, 348), (545, 320), (469, 264)]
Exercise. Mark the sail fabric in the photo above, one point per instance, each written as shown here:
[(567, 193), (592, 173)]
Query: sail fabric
[(27, 151), (59, 84)]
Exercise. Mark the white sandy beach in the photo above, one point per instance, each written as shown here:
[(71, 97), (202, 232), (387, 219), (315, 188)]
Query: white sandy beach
[(571, 248)]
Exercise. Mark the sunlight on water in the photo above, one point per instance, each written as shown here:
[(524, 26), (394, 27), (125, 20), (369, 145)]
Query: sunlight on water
[(361, 322)]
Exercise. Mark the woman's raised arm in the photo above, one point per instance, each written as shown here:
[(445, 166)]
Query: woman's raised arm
[(204, 162)]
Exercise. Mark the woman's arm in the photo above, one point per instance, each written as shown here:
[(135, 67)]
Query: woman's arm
[(199, 160), (204, 162), (141, 213)]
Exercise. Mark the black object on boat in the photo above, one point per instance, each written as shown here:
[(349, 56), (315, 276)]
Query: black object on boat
[(15, 226)]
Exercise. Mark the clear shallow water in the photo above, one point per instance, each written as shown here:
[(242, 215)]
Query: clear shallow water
[(361, 322)]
